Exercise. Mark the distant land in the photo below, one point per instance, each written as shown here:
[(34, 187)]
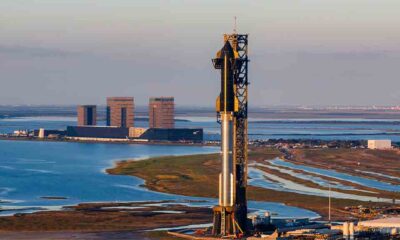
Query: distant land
[(272, 112)]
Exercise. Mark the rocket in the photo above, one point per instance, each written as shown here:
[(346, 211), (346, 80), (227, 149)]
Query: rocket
[(226, 106), (230, 215)]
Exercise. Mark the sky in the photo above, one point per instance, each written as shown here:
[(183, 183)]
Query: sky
[(303, 52)]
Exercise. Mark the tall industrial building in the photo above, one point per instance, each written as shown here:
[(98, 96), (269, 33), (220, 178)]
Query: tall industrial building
[(87, 115), (120, 111), (161, 112)]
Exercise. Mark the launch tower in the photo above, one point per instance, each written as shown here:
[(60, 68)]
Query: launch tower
[(230, 216)]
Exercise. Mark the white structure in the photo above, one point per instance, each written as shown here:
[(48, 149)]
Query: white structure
[(20, 133), (388, 225), (351, 229), (393, 222), (379, 144), (346, 230), (41, 133)]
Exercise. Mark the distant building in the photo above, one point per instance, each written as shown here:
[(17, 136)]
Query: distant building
[(120, 111), (122, 133), (173, 135), (97, 132), (392, 222), (43, 133), (87, 115), (161, 112), (135, 132), (379, 144)]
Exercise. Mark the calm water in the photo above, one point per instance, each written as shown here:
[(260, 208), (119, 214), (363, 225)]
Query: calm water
[(262, 179), (327, 129), (367, 182), (31, 170)]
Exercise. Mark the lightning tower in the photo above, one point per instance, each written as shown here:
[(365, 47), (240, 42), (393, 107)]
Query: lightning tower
[(230, 216)]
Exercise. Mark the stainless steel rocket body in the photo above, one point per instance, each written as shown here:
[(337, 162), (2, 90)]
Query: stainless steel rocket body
[(230, 216), (226, 108), (227, 178)]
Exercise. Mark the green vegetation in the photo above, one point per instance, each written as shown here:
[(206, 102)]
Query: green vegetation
[(175, 174), (197, 175)]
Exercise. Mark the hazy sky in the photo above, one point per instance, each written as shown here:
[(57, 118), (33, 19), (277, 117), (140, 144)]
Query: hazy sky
[(303, 52)]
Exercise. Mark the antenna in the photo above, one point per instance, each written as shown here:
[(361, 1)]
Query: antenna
[(235, 25)]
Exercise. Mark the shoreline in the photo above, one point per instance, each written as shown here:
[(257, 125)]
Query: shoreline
[(170, 175), (162, 143), (46, 222), (176, 180), (150, 187), (106, 219)]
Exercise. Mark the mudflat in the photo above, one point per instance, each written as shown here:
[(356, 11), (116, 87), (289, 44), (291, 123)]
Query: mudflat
[(102, 221), (196, 175)]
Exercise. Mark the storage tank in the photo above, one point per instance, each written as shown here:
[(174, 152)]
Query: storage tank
[(41, 133), (346, 230), (379, 144), (351, 229)]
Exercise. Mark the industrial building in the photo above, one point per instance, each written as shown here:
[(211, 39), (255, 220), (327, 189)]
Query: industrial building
[(390, 225), (120, 123), (380, 144), (151, 134), (173, 134), (44, 133), (97, 132), (161, 112), (87, 115), (120, 111), (135, 132)]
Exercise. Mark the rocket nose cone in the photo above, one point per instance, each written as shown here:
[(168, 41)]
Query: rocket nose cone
[(227, 49), (227, 46)]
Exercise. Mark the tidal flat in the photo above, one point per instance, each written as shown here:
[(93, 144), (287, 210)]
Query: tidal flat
[(170, 191), (196, 175)]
